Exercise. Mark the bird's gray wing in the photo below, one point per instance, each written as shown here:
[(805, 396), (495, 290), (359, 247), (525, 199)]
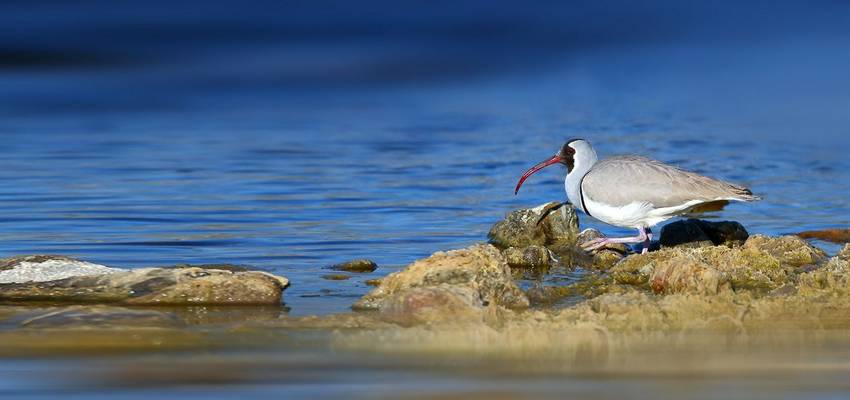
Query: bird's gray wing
[(619, 181)]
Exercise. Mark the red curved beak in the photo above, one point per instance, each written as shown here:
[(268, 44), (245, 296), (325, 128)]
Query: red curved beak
[(554, 160)]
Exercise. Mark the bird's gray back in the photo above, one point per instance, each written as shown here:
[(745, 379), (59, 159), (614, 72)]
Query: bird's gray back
[(622, 180)]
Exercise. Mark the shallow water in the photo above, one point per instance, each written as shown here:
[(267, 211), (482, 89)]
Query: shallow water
[(139, 135)]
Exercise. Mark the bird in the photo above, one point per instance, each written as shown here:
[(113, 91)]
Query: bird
[(636, 192)]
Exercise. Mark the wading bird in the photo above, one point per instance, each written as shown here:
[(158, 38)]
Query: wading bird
[(633, 191)]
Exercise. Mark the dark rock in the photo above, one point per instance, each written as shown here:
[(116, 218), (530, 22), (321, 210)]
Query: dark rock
[(548, 224), (362, 265), (699, 233), (373, 282)]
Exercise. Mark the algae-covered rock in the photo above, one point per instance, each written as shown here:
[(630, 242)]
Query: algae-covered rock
[(788, 250), (548, 224), (700, 233), (361, 266), (531, 257), (154, 286), (761, 264), (480, 269)]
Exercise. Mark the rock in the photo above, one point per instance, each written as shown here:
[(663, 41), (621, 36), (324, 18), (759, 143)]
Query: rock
[(474, 277), (432, 304), (844, 253), (532, 257), (336, 277), (699, 233), (788, 250), (605, 257), (361, 266), (155, 286), (828, 235), (42, 268), (761, 265), (373, 282), (548, 224)]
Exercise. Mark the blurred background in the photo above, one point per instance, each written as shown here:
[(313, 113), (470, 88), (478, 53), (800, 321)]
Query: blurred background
[(294, 135)]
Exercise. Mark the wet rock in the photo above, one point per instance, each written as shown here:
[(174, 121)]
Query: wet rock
[(549, 224), (372, 282), (531, 257), (828, 235), (154, 286), (336, 277), (42, 268), (605, 257), (361, 266), (470, 278), (698, 233)]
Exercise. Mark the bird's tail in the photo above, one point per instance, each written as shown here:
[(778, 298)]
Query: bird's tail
[(743, 194)]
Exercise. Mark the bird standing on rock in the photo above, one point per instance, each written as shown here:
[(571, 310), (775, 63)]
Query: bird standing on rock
[(633, 191)]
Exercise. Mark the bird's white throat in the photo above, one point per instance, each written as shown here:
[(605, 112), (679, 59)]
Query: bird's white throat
[(583, 160)]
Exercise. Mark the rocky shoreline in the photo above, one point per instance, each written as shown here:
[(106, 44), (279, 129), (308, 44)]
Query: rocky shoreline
[(710, 277)]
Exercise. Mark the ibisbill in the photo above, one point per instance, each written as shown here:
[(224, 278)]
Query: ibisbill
[(633, 191)]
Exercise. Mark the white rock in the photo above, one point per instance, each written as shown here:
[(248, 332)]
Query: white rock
[(51, 270)]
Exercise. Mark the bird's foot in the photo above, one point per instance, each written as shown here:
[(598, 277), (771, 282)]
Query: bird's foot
[(598, 243), (645, 237), (595, 244)]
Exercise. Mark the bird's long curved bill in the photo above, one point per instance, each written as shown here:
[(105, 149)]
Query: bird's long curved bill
[(554, 160)]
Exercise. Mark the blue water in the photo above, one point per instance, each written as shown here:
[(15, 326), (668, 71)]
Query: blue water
[(138, 134)]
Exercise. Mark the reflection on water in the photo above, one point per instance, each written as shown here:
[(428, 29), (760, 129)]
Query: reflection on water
[(223, 356)]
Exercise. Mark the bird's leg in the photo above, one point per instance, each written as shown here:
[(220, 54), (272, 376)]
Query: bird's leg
[(601, 242), (647, 241)]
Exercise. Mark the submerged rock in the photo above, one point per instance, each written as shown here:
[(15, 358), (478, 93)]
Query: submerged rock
[(549, 224), (336, 277), (148, 286), (446, 285), (43, 268), (828, 235), (361, 265), (699, 233), (372, 282)]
